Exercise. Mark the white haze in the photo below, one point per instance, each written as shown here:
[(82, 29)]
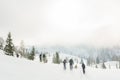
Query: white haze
[(61, 22)]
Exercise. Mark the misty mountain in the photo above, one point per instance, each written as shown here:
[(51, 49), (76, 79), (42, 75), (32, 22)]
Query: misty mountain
[(81, 51)]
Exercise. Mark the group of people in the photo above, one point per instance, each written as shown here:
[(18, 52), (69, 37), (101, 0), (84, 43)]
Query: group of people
[(71, 62), (43, 58)]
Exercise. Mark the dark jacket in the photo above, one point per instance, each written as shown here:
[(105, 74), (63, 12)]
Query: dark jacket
[(64, 62), (83, 65), (71, 62)]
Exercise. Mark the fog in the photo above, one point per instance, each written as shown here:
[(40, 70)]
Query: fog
[(61, 22)]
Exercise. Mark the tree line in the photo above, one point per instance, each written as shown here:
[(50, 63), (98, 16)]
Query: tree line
[(11, 50), (22, 52)]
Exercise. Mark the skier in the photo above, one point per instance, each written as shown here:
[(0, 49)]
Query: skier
[(64, 63), (17, 55), (83, 68), (71, 64), (40, 56), (44, 58)]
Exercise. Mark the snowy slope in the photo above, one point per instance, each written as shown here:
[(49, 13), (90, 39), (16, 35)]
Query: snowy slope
[(12, 68), (109, 65)]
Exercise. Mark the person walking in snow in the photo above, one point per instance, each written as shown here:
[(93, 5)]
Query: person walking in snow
[(64, 63), (44, 58), (83, 68), (17, 55), (40, 56), (71, 64)]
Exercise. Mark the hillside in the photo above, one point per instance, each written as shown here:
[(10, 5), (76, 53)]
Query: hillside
[(21, 69)]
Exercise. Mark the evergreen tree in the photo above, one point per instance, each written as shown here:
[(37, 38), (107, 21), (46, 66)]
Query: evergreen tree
[(32, 54), (97, 60), (89, 61), (9, 47), (56, 58), (103, 66)]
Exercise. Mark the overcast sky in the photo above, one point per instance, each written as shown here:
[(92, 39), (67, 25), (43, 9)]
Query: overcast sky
[(61, 22)]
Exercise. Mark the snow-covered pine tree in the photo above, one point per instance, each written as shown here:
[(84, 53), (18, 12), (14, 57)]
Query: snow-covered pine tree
[(9, 47), (97, 60), (56, 58), (89, 61), (32, 54), (103, 66)]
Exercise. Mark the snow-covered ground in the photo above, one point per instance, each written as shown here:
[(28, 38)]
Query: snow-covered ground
[(12, 68)]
